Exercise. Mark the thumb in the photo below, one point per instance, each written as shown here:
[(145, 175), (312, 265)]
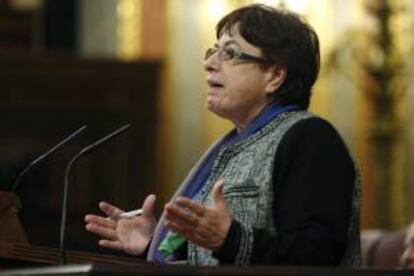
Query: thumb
[(217, 192), (148, 205)]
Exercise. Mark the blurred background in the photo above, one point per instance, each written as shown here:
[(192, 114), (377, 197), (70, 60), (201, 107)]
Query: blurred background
[(108, 62)]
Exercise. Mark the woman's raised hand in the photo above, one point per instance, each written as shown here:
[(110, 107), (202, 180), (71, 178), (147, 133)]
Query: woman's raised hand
[(130, 235), (203, 226)]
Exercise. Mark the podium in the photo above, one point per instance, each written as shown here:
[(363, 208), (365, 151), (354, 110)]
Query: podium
[(25, 255), (163, 270), (26, 259), (18, 257)]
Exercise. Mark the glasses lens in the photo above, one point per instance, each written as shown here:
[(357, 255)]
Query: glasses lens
[(226, 54)]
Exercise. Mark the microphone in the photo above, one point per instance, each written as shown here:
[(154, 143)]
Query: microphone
[(83, 152), (43, 156)]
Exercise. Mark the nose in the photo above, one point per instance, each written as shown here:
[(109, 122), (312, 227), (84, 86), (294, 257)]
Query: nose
[(211, 63)]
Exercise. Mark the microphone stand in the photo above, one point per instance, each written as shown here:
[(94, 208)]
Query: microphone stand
[(83, 152)]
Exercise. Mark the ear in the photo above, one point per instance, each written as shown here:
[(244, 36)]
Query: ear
[(275, 76)]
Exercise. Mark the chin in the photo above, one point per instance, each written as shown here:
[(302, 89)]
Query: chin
[(213, 108), (218, 112)]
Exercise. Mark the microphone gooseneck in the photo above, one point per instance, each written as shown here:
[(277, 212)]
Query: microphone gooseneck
[(43, 156), (83, 152)]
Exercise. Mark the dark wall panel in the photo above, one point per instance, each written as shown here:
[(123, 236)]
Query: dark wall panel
[(44, 99)]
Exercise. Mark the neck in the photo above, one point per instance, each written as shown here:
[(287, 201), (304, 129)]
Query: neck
[(241, 122)]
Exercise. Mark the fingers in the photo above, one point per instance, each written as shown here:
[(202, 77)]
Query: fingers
[(105, 232), (198, 209), (200, 230), (204, 226), (186, 203), (178, 214), (110, 210), (148, 205), (103, 227), (188, 234), (188, 218), (93, 219)]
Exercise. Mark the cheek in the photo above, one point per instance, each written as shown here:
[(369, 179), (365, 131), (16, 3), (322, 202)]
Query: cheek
[(251, 80), (247, 90), (243, 88)]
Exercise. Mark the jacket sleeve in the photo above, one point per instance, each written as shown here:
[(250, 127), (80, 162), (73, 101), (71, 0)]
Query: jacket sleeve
[(313, 181)]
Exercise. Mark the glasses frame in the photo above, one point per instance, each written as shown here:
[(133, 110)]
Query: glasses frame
[(224, 54)]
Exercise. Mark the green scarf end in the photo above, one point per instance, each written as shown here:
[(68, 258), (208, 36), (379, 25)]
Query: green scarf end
[(171, 243)]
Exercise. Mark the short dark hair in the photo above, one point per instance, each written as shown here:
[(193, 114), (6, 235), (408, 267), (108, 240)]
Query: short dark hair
[(285, 39)]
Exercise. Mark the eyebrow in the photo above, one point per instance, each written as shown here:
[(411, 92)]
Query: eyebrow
[(227, 43)]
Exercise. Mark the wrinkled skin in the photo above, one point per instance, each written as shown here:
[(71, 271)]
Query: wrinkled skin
[(131, 235)]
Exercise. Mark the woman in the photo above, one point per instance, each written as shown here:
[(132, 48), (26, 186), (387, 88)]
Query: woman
[(280, 188)]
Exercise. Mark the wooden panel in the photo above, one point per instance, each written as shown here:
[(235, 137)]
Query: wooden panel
[(13, 255), (42, 99)]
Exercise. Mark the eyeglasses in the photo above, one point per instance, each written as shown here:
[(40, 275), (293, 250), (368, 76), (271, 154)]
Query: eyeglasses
[(228, 54)]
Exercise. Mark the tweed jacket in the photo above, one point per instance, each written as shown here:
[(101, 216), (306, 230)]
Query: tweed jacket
[(248, 169)]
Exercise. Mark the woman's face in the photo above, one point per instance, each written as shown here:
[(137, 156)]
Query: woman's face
[(237, 89)]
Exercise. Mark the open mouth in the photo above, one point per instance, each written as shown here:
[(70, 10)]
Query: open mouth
[(214, 84)]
